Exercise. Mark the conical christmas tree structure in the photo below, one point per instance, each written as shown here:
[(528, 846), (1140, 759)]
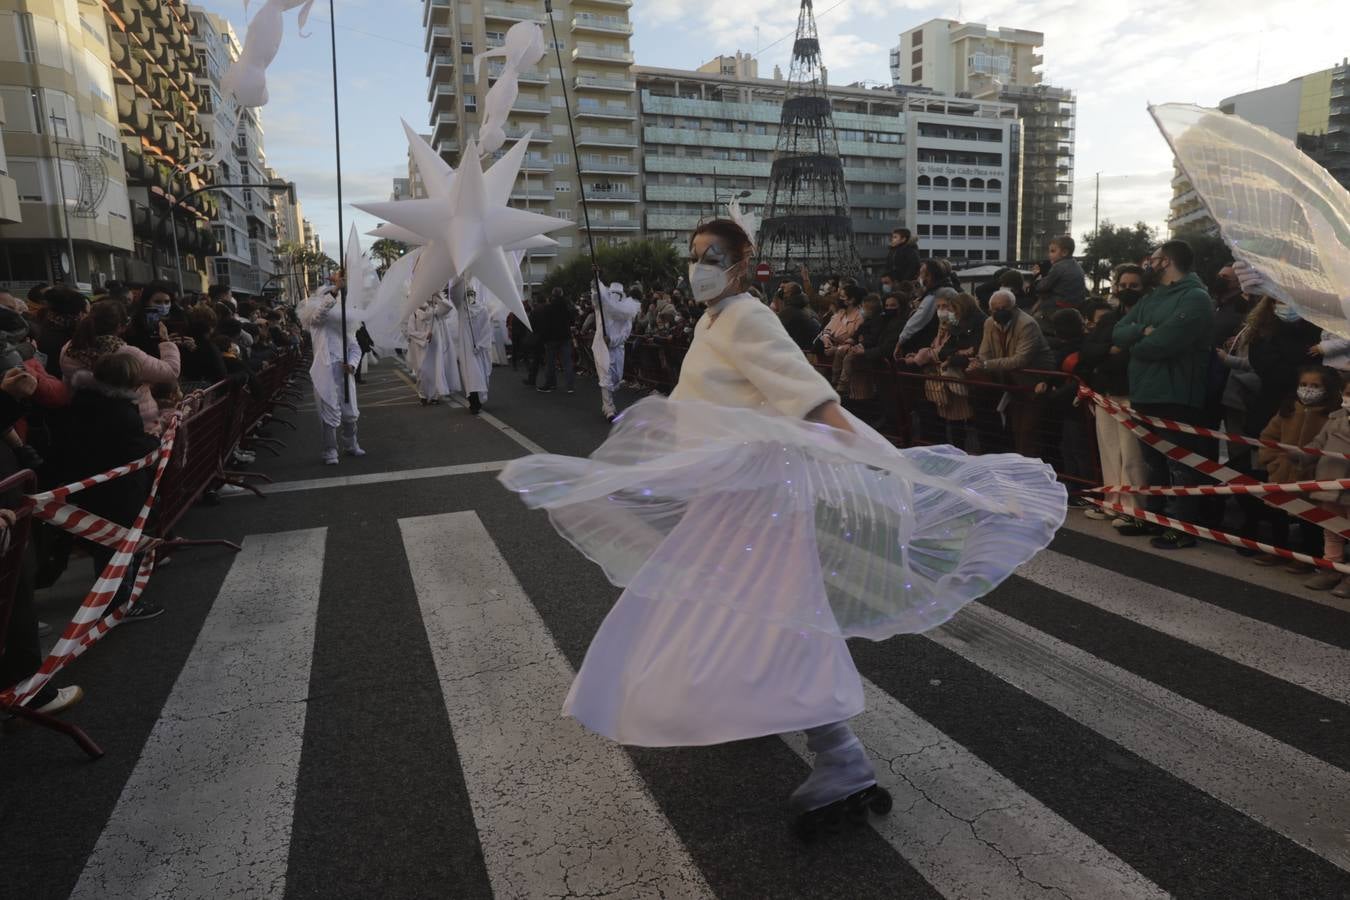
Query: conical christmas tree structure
[(806, 219)]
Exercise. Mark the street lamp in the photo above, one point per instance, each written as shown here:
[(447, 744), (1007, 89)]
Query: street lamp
[(287, 186)]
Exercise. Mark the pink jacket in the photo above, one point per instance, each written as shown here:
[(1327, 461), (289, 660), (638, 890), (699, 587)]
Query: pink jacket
[(153, 371)]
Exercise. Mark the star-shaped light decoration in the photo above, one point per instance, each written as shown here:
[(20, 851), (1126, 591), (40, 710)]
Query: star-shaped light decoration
[(362, 279), (465, 223)]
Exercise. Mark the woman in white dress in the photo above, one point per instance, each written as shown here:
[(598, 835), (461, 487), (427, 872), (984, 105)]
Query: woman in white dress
[(755, 525)]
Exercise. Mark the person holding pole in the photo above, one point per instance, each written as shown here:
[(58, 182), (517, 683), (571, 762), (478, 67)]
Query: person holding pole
[(336, 356)]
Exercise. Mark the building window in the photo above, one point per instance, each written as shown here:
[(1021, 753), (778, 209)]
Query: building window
[(916, 39), (958, 231), (925, 181), (917, 56), (993, 209), (939, 206), (562, 159), (924, 229), (917, 75), (466, 47), (976, 209), (992, 231), (940, 181), (939, 230), (975, 231), (925, 206), (471, 103), (958, 206), (993, 184), (561, 187), (991, 255)]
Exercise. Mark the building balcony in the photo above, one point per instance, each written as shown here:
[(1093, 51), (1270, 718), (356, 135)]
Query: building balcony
[(525, 76), (603, 167), (1200, 214), (443, 125), (587, 138), (665, 221), (441, 97), (617, 112), (536, 135), (598, 83), (613, 195), (448, 149), (599, 225), (513, 12), (436, 12), (600, 24), (439, 36), (610, 55), (440, 66), (624, 4), (532, 195), (531, 106), (536, 164)]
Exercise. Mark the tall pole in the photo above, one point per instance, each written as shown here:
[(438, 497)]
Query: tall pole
[(177, 260), (581, 182), (342, 238), (65, 208), (1097, 205)]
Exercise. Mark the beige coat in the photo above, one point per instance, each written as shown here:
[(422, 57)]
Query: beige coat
[(1020, 346), (1333, 438), (1299, 428)]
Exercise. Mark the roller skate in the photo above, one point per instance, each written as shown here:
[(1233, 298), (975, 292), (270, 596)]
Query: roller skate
[(850, 812), (842, 787)]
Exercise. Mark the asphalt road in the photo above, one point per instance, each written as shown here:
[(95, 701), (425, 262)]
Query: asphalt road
[(364, 703)]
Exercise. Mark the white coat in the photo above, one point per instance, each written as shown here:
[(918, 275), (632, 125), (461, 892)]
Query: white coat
[(320, 316), (473, 344)]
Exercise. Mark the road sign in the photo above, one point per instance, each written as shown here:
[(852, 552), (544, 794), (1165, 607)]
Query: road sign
[(763, 273)]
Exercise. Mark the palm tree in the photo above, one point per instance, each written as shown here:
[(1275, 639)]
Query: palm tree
[(385, 251)]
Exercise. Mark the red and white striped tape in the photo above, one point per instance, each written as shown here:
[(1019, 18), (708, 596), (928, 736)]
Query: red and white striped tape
[(89, 624), (1232, 438), (1221, 537), (1212, 490), (1289, 503)]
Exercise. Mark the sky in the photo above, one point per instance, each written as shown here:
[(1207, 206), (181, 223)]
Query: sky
[(1117, 56)]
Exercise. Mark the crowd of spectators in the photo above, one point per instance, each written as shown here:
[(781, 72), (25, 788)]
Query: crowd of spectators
[(87, 385)]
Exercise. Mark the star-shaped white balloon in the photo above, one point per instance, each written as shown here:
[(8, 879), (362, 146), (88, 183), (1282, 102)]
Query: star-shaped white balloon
[(465, 223)]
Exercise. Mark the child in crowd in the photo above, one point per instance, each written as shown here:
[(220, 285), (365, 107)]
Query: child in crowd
[(1333, 438), (1298, 422)]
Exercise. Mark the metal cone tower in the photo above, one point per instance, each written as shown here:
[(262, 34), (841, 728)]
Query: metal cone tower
[(806, 219)]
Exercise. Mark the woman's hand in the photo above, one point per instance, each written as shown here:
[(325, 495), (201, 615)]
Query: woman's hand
[(19, 383), (163, 332)]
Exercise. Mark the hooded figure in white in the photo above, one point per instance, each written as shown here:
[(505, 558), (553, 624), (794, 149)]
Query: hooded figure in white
[(619, 311), (334, 361), (474, 345), (438, 372)]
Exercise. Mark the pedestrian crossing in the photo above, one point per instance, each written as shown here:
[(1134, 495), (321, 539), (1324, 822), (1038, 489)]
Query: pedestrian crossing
[(1024, 763)]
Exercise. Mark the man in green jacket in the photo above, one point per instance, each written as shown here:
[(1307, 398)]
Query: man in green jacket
[(1168, 336)]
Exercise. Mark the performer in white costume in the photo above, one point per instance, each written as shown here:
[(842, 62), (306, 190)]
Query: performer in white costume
[(417, 331), (438, 374), (473, 335), (334, 363), (755, 525), (619, 312)]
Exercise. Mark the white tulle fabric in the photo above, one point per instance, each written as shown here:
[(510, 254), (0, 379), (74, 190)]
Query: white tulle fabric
[(751, 543), (901, 539)]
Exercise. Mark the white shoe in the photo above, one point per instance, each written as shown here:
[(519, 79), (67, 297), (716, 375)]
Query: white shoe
[(245, 456), (1098, 514), (65, 698), (230, 490), (355, 451), (330, 458)]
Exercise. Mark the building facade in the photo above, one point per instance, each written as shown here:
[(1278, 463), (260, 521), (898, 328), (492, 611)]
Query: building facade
[(64, 209), (709, 135), (964, 59), (154, 66), (962, 180), (1312, 110), (596, 66)]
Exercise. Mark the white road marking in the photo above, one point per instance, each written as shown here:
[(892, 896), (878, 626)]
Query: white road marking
[(207, 811), (340, 481), (969, 831), (1268, 648), (558, 810), (1297, 795)]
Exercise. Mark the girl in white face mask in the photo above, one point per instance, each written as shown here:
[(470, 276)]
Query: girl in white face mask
[(754, 525)]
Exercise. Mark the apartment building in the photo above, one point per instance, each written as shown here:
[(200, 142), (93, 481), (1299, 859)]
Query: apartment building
[(64, 210), (709, 135), (596, 67)]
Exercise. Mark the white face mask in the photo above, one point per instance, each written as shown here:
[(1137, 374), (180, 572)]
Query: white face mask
[(708, 282), (1311, 395), (1345, 403)]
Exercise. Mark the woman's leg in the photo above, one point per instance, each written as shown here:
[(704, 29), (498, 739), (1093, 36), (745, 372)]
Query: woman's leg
[(841, 767)]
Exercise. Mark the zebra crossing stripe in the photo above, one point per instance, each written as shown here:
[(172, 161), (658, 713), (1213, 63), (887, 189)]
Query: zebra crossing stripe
[(207, 811), (969, 831), (1299, 660), (1286, 790), (558, 810)]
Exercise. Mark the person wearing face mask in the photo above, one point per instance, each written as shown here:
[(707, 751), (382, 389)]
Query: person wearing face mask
[(1230, 306), (855, 381), (796, 315), (704, 507), (960, 330), (922, 322), (158, 303), (1334, 439), (1281, 342), (1168, 335), (840, 334), (1104, 366), (1297, 422), (1012, 341)]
